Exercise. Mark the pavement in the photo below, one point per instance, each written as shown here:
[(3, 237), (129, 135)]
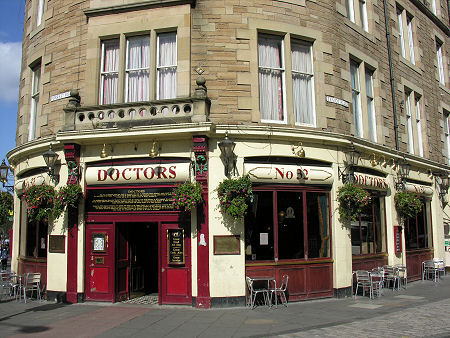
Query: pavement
[(421, 310)]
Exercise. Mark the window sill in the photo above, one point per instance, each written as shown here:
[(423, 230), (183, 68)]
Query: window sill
[(290, 262), (359, 30), (409, 64), (37, 30), (32, 259), (444, 88)]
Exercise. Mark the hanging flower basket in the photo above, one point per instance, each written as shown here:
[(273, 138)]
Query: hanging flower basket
[(408, 204), (234, 196), (66, 196), (40, 201), (186, 196), (352, 200)]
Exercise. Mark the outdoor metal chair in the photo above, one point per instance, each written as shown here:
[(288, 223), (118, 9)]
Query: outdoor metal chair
[(376, 283), (391, 275), (439, 265), (9, 284), (363, 280), (253, 293), (402, 273), (32, 283), (281, 291), (429, 269)]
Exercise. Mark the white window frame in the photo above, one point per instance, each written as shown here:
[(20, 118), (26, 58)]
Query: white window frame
[(34, 106), (103, 73), (363, 14), (447, 134), (356, 98), (283, 81), (39, 12), (401, 32), (310, 76), (351, 10), (159, 67), (136, 69), (409, 124), (440, 62), (371, 105), (419, 124)]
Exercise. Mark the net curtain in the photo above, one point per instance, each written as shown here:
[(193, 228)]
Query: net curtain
[(138, 63), (270, 81), (110, 75), (167, 66)]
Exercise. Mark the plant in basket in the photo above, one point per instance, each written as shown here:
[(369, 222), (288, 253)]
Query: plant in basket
[(408, 204), (40, 201), (234, 196), (187, 195), (67, 196), (352, 200)]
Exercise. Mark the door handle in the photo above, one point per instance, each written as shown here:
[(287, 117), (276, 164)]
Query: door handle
[(162, 269)]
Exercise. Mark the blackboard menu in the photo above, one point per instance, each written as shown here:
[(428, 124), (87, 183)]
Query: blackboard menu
[(129, 200), (397, 239), (175, 246)]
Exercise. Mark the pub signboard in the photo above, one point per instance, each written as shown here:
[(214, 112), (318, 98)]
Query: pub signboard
[(175, 244)]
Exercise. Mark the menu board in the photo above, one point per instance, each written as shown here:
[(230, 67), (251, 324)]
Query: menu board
[(175, 246), (397, 239), (129, 200)]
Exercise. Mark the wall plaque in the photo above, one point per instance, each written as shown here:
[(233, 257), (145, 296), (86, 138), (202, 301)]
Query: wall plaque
[(57, 243), (129, 200), (175, 246), (227, 245)]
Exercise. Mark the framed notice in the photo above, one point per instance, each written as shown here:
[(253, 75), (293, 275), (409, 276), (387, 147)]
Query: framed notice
[(57, 243), (227, 245), (175, 246), (99, 242)]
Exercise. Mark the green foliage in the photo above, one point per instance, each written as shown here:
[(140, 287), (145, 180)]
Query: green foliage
[(40, 201), (234, 196), (187, 195), (68, 195), (6, 211), (408, 204), (352, 200)]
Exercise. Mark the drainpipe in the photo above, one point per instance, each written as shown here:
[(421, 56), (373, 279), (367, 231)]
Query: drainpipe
[(391, 74)]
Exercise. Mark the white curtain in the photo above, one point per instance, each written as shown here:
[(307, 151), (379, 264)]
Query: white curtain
[(419, 128), (302, 85), (354, 75), (110, 74), (401, 32), (270, 81), (138, 63), (167, 66), (370, 106)]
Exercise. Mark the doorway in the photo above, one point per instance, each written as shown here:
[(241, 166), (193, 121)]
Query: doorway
[(136, 260)]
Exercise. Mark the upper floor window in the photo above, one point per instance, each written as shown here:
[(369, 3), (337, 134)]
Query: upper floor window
[(271, 78), (167, 66), (136, 72), (302, 82), (409, 121), (406, 36), (419, 125), (40, 12), (357, 13), (356, 98), (447, 135), (34, 105), (440, 62), (371, 106)]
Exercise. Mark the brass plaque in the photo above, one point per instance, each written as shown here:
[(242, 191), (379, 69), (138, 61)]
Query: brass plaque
[(99, 260), (57, 243), (175, 246), (227, 245)]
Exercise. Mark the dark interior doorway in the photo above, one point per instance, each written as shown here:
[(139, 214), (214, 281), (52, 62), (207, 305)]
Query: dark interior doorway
[(137, 259)]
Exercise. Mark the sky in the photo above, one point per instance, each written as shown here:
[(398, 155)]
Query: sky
[(11, 31)]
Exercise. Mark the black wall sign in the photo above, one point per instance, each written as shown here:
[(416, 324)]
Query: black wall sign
[(129, 200), (175, 246)]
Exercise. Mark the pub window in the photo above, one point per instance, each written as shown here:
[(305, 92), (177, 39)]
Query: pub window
[(368, 231), (416, 229), (283, 225), (36, 239)]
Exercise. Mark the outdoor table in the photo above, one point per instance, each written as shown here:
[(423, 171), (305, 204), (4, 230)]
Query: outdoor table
[(267, 279)]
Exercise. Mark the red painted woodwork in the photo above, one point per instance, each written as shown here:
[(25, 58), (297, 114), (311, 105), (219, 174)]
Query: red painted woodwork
[(122, 264), (203, 299), (72, 254), (306, 281), (29, 265), (175, 278), (100, 264), (414, 259), (367, 262)]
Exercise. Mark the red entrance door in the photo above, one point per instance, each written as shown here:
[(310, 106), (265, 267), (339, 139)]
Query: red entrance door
[(122, 263), (100, 262), (175, 265)]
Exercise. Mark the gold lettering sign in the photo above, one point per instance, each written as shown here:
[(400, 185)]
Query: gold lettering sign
[(227, 245), (99, 260), (175, 246), (56, 243)]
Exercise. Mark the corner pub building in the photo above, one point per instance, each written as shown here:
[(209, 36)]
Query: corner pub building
[(134, 97)]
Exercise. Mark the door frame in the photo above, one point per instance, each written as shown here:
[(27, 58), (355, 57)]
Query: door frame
[(93, 220)]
